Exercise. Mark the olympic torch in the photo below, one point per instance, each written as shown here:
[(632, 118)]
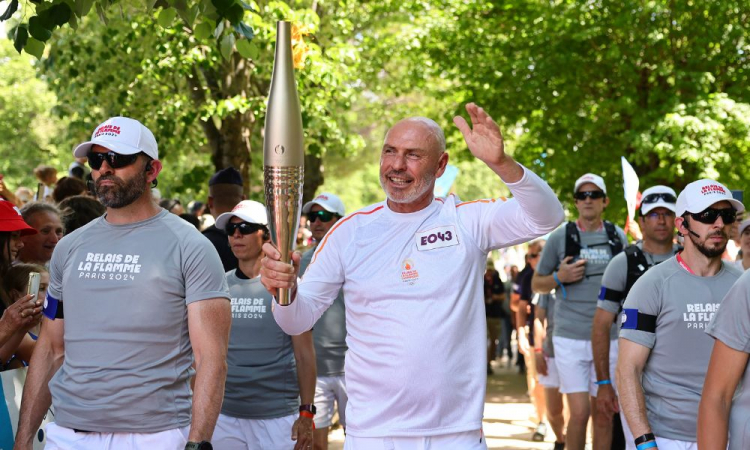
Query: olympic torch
[(283, 152)]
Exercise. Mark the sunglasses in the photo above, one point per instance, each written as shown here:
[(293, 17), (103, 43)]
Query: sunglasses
[(709, 215), (244, 227), (324, 216), (653, 198), (593, 195), (115, 160)]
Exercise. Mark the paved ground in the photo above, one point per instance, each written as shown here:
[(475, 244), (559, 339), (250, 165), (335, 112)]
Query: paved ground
[(507, 414)]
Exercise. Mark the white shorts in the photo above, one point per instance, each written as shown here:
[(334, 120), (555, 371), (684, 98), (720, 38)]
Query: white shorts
[(467, 440), (673, 444), (232, 433), (328, 390), (552, 379), (575, 365), (62, 438)]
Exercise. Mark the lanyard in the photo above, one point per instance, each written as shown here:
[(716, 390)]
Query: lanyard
[(684, 265)]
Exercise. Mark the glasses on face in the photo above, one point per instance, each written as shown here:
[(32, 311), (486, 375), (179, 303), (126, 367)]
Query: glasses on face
[(593, 195), (244, 227), (653, 198), (659, 216), (115, 160), (324, 216), (709, 215)]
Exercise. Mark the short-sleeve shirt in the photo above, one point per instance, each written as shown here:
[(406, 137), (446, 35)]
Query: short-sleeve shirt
[(220, 240), (731, 325), (329, 332), (261, 369), (576, 304), (128, 356), (616, 276), (547, 302), (683, 304)]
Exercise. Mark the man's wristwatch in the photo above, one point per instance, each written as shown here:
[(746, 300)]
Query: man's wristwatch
[(203, 445), (309, 408)]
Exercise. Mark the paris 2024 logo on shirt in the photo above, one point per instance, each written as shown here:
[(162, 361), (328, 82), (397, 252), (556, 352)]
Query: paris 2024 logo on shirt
[(409, 274), (109, 266)]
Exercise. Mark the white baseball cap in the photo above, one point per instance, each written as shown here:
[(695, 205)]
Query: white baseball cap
[(744, 224), (660, 201), (701, 194), (121, 135), (596, 180), (247, 210), (327, 201)]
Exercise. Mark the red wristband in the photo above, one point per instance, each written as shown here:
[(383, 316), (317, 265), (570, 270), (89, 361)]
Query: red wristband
[(538, 350), (307, 414)]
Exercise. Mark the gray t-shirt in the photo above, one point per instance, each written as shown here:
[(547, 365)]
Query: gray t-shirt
[(616, 276), (125, 290), (329, 332), (680, 349), (547, 301), (262, 372), (574, 313), (731, 325)]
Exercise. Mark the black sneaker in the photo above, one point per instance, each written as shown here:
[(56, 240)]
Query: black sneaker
[(559, 446)]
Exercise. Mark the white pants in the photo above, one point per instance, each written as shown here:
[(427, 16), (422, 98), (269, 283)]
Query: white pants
[(327, 391), (232, 433), (552, 379), (467, 440), (673, 444), (61, 438), (575, 365)]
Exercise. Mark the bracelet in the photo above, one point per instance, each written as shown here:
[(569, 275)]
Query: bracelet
[(646, 445), (557, 280), (603, 382), (538, 350), (645, 438), (307, 414)]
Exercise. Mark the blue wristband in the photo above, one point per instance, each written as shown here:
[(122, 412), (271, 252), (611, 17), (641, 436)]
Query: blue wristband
[(645, 445), (557, 280), (562, 287), (599, 383)]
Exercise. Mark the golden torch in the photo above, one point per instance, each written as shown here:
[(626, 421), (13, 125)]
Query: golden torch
[(283, 152)]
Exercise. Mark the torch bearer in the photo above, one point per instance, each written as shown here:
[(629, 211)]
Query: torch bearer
[(283, 152)]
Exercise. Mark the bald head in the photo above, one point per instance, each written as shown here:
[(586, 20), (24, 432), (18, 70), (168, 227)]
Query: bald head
[(426, 130)]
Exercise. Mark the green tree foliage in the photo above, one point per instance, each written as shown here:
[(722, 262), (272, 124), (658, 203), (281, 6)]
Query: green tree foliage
[(26, 126)]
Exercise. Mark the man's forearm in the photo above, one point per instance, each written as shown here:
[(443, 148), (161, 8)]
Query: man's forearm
[(632, 400), (543, 284), (208, 395), (600, 343), (713, 422), (36, 396), (11, 344)]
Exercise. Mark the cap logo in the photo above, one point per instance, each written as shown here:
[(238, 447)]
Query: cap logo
[(321, 197), (108, 130), (238, 206), (713, 189)]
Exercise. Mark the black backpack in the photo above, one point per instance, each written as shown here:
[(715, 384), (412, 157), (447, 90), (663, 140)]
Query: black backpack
[(573, 240)]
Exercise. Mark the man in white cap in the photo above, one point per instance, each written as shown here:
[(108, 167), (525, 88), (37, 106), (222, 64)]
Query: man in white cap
[(329, 333), (269, 371), (664, 350), (412, 271), (572, 263), (656, 220), (147, 310)]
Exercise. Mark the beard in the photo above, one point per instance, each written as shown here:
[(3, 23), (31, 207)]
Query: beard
[(123, 192), (710, 252), (417, 190)]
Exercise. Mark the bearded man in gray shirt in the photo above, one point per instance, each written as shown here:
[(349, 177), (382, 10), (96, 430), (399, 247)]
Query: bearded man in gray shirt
[(664, 350), (145, 301)]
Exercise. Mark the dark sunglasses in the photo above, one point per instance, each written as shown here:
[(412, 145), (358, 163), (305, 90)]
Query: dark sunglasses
[(244, 227), (324, 216), (709, 215), (583, 195), (115, 160), (653, 198)]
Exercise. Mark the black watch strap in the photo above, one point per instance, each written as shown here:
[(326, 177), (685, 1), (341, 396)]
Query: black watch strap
[(203, 445), (645, 438), (309, 408)]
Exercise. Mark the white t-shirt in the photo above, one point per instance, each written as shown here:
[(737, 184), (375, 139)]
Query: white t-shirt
[(413, 287)]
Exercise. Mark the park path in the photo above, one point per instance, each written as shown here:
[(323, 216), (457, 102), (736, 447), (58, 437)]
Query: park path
[(507, 414)]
